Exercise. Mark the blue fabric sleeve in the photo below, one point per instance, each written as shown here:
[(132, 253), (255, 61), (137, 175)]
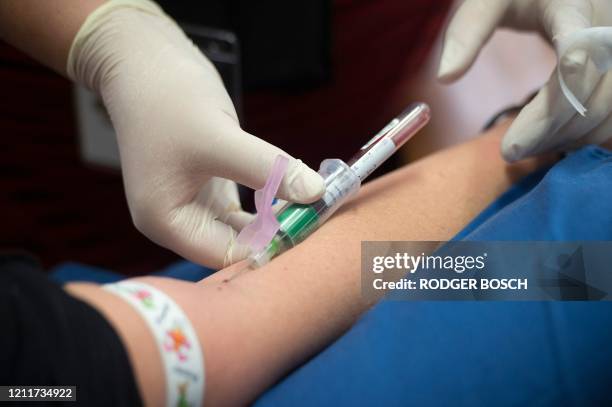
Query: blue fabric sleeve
[(572, 201)]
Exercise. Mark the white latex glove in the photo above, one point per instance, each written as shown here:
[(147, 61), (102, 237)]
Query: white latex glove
[(549, 122), (178, 134)]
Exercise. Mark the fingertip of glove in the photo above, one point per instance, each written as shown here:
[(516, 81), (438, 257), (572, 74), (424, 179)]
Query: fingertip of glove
[(447, 76), (303, 185), (517, 144), (512, 149), (511, 152), (450, 68)]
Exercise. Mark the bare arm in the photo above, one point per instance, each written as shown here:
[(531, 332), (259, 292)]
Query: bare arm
[(44, 29), (259, 325)]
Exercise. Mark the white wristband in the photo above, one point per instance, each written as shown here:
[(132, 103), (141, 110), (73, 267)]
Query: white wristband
[(176, 339)]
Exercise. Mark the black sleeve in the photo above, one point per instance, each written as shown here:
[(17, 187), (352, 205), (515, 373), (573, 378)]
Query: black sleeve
[(50, 338)]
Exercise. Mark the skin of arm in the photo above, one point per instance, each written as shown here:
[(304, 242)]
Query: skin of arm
[(44, 29), (257, 326)]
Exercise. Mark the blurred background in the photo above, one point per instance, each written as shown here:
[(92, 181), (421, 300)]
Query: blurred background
[(316, 78)]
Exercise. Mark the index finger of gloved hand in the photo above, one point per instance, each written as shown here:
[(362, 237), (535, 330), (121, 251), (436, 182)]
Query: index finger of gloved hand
[(468, 31), (201, 237), (239, 156), (537, 126)]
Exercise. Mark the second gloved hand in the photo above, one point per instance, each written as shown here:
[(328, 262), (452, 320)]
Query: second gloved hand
[(549, 122), (178, 134)]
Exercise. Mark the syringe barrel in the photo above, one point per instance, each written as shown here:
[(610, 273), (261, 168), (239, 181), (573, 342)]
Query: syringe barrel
[(342, 181), (298, 221)]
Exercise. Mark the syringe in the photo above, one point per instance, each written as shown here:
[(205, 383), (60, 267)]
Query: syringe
[(342, 181)]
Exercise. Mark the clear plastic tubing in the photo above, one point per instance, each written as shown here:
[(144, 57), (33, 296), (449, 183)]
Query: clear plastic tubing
[(342, 181)]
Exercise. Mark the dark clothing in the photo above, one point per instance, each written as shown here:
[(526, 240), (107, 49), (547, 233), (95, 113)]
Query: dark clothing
[(284, 44), (50, 338)]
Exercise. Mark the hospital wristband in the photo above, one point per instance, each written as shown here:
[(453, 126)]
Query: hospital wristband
[(176, 339)]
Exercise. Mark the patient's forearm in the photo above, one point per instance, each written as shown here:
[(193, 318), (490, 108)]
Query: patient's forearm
[(257, 326), (307, 297)]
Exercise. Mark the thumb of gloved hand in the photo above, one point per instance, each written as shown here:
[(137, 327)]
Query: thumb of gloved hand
[(177, 130)]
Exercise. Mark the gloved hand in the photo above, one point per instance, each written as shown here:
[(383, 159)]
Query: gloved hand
[(549, 122), (179, 138)]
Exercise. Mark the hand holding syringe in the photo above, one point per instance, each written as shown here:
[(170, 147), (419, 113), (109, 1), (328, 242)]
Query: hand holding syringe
[(342, 181)]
